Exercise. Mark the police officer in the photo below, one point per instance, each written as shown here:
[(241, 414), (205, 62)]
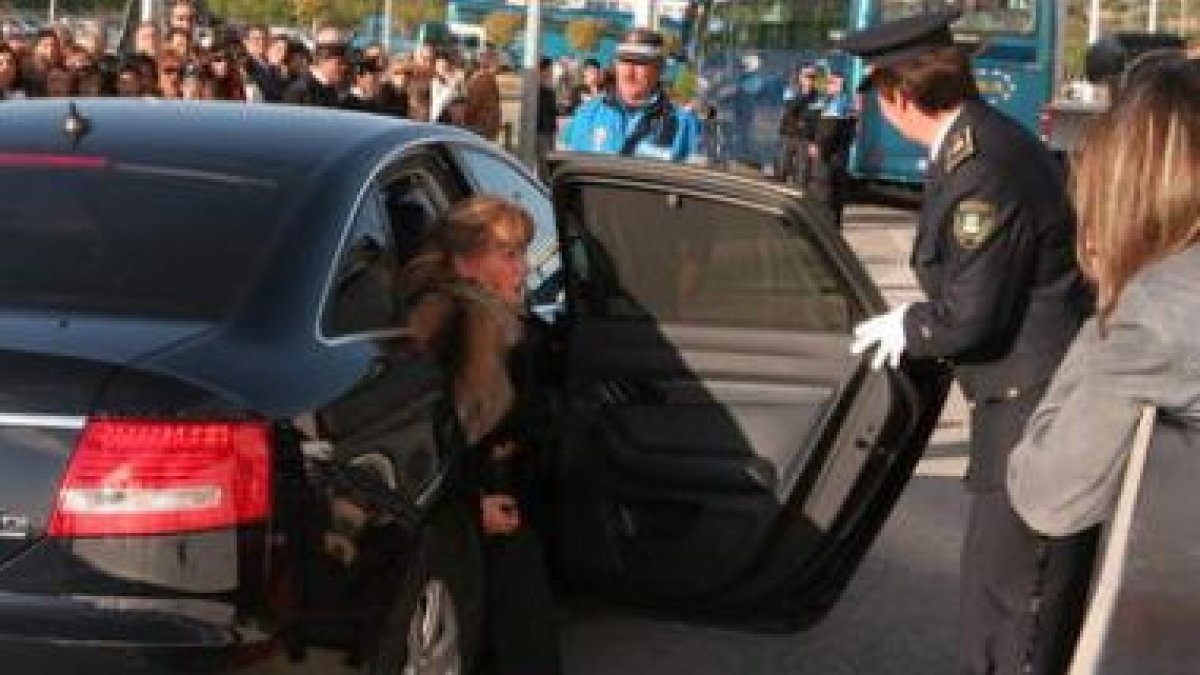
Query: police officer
[(994, 254), (636, 118), (797, 127), (833, 132)]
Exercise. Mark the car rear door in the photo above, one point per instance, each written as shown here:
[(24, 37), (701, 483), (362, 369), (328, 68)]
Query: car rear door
[(723, 452)]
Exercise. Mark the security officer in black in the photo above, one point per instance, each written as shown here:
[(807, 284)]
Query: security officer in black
[(797, 128), (994, 254)]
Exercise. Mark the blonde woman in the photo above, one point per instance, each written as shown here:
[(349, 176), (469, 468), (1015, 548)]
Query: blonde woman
[(1137, 187), (466, 290), (1138, 191)]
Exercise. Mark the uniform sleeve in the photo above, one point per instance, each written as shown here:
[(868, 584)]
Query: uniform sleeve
[(1064, 475), (990, 261), (577, 134)]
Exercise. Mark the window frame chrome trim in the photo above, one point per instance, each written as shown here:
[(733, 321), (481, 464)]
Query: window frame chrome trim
[(43, 421), (385, 163)]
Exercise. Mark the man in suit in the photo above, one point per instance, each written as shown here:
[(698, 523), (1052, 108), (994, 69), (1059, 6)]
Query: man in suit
[(994, 255), (258, 69), (322, 84)]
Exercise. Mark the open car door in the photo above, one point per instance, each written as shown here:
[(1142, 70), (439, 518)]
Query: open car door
[(725, 456)]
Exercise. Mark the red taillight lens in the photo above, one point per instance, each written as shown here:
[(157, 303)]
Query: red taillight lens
[(131, 477)]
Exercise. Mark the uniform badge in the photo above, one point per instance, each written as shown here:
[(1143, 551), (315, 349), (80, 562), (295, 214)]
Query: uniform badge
[(974, 223), (960, 147), (599, 136)]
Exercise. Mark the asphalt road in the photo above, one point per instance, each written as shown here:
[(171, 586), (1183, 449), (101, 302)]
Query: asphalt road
[(898, 615)]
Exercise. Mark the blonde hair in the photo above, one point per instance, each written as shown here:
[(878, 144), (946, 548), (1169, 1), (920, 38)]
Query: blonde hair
[(1137, 178), (468, 227)]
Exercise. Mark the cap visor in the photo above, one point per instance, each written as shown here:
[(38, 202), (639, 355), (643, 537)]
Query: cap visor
[(638, 59)]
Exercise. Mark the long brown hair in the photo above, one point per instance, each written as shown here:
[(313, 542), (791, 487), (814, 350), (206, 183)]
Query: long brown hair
[(1137, 178)]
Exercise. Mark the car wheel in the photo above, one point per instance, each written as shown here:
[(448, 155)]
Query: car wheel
[(433, 627)]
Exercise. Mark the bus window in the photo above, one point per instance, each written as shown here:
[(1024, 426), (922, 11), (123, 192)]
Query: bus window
[(979, 16)]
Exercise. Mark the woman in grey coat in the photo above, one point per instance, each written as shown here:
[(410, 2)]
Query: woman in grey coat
[(1137, 190)]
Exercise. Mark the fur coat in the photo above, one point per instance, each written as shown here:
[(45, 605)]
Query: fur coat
[(471, 331)]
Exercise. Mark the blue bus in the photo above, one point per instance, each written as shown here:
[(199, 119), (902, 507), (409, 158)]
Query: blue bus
[(745, 50)]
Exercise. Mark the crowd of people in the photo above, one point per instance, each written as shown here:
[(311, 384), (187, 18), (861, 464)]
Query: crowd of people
[(253, 65)]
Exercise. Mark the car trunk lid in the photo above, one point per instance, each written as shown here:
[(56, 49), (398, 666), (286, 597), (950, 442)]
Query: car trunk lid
[(52, 372)]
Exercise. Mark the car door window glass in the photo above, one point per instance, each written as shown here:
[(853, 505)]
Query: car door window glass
[(673, 258), (492, 175), (364, 297)]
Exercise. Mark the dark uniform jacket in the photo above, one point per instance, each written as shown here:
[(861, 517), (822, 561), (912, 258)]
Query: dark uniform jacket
[(995, 256), (799, 119)]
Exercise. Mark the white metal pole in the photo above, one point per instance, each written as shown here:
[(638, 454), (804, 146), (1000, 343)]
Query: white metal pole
[(527, 149), (147, 10), (53, 11), (1152, 20), (385, 38), (1094, 22)]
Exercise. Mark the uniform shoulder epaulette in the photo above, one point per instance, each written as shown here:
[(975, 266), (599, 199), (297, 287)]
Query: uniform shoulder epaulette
[(960, 148)]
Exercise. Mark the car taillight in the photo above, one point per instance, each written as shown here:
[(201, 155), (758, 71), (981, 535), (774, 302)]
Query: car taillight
[(135, 477)]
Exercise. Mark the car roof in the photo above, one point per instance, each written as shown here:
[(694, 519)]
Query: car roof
[(283, 143)]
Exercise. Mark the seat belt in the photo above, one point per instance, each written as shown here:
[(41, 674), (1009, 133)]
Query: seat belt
[(659, 110)]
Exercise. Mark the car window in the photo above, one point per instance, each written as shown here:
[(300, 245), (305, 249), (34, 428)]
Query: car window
[(416, 192), (138, 241), (363, 296), (492, 175), (644, 255)]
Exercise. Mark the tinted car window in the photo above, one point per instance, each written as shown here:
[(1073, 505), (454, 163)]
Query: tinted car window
[(644, 255), (139, 241), (492, 175), (364, 296)]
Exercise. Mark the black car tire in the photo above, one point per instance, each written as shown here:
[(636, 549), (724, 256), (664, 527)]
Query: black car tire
[(434, 625)]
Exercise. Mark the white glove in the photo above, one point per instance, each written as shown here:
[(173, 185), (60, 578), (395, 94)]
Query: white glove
[(886, 331)]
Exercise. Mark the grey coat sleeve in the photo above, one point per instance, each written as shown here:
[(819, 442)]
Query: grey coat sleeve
[(1065, 473)]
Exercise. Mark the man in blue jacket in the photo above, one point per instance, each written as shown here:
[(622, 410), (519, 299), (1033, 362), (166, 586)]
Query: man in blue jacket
[(636, 118)]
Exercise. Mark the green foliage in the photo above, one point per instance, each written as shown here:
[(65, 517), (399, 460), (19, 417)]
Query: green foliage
[(311, 12), (408, 13), (583, 34), (672, 41), (501, 27), (272, 12)]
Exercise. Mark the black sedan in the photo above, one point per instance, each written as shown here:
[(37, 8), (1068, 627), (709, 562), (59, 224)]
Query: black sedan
[(212, 452)]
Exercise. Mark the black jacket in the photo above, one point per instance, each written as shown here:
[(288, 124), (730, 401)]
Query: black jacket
[(306, 90), (266, 79), (799, 119), (995, 256)]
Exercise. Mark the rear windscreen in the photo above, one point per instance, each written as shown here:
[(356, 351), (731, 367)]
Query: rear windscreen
[(131, 239)]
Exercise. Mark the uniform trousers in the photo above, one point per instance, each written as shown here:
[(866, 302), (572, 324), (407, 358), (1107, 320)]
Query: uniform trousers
[(793, 164), (1023, 595)]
